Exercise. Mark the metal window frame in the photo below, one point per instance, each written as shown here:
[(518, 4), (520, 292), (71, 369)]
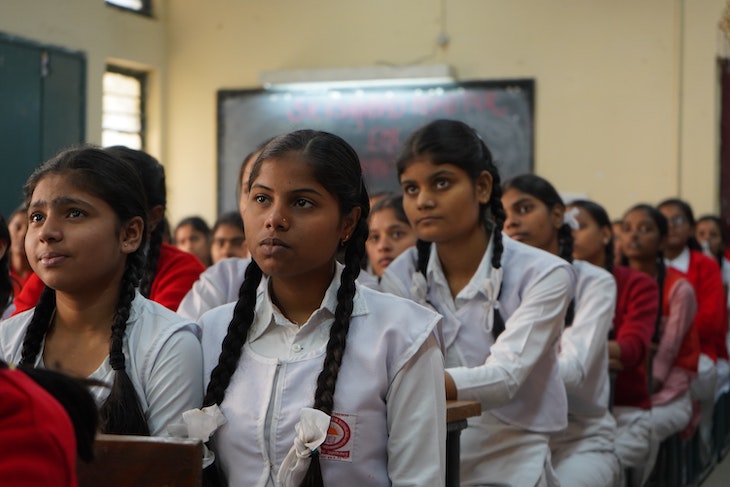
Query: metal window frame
[(140, 76)]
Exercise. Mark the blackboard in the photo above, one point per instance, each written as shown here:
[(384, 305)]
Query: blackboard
[(376, 121)]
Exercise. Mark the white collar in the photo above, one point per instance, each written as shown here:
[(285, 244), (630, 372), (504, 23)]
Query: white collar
[(681, 262)]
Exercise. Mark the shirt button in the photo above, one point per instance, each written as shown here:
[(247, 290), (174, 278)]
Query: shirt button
[(296, 348)]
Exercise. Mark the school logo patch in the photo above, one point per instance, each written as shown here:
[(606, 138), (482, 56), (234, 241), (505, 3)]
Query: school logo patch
[(340, 438)]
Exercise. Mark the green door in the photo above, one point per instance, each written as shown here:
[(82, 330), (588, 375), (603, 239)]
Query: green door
[(42, 95)]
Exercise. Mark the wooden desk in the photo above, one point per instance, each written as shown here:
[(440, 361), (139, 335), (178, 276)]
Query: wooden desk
[(456, 414), (142, 461)]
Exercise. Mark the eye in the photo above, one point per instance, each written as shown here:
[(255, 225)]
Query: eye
[(410, 189), (75, 213), (373, 237), (35, 217), (260, 198), (524, 209), (397, 234), (442, 183), (303, 203)]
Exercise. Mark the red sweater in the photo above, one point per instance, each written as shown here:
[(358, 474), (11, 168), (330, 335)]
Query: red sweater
[(637, 308), (711, 318), (175, 275)]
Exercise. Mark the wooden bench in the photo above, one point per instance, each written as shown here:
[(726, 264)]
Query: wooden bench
[(142, 461)]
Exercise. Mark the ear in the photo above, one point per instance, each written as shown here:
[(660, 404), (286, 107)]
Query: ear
[(483, 186), (606, 235), (154, 217), (556, 215), (349, 222), (131, 235)]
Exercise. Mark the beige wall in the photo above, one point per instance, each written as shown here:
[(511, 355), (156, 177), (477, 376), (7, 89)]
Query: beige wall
[(626, 94)]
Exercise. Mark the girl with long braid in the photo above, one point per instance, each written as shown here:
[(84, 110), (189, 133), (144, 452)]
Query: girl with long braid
[(168, 272), (87, 217), (583, 454), (503, 304), (321, 381), (674, 365)]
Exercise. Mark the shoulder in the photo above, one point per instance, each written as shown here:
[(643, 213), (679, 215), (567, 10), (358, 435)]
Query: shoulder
[(589, 275), (150, 321), (524, 265), (172, 257), (226, 270), (398, 275), (678, 285), (702, 262), (12, 333), (628, 278)]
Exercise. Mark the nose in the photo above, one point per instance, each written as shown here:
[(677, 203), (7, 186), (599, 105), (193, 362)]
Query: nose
[(50, 231), (511, 221), (277, 218), (384, 244), (424, 200)]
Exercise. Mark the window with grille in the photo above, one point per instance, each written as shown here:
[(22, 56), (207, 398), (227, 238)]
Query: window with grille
[(123, 108)]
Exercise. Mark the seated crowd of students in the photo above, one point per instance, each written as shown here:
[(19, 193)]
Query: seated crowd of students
[(323, 344)]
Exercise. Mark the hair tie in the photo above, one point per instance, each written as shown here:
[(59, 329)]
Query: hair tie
[(569, 218)]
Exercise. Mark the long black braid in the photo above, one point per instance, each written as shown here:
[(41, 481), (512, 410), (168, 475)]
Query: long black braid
[(118, 184), (337, 167), (454, 142)]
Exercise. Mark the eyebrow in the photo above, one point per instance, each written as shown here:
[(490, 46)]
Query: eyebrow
[(442, 172), (60, 201), (521, 201), (296, 190)]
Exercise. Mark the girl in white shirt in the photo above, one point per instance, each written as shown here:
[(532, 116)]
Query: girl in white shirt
[(321, 381), (503, 304), (583, 454), (86, 232)]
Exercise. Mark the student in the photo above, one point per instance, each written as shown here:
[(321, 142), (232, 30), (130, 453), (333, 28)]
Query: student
[(593, 240), (20, 269), (675, 361), (503, 304), (710, 234), (228, 238), (220, 283), (584, 453), (192, 235), (86, 235), (683, 253), (6, 280), (38, 441), (168, 273), (310, 337), (390, 233)]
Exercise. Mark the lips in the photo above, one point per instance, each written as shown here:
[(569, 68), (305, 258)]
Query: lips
[(273, 245), (385, 261), (51, 259), (519, 236), (426, 220)]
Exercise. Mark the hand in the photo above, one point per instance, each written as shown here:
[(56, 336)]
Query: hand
[(615, 365), (451, 391)]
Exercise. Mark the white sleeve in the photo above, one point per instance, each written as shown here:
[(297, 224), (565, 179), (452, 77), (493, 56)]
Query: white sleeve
[(583, 341), (218, 285), (416, 409), (529, 333), (175, 382)]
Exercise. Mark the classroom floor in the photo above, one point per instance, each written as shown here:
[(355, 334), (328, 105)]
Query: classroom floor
[(720, 475)]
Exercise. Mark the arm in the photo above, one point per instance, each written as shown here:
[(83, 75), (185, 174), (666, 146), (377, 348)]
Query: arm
[(585, 340), (634, 335), (530, 332), (709, 320), (416, 409), (29, 295), (175, 383), (218, 285), (682, 309)]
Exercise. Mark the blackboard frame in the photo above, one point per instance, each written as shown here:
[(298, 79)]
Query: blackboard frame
[(504, 108)]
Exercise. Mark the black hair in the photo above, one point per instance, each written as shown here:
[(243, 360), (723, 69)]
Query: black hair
[(198, 224), (720, 255), (6, 283), (152, 174), (391, 202), (662, 225), (454, 142), (116, 182), (600, 216), (230, 218), (541, 189), (336, 167), (686, 210), (250, 157)]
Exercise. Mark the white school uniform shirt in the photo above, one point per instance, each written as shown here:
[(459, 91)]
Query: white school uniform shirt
[(389, 423), (517, 377), (217, 285), (583, 355), (163, 359)]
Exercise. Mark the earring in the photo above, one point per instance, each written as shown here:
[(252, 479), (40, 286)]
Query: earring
[(344, 240)]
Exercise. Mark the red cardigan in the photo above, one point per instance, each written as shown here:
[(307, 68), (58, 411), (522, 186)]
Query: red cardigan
[(175, 275), (711, 318), (637, 308)]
